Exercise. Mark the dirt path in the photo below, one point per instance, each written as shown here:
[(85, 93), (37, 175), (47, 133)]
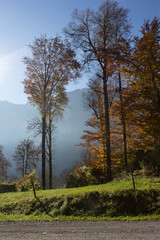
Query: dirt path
[(80, 231)]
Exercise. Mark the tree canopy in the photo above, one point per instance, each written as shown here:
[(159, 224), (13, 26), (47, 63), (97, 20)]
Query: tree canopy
[(51, 68)]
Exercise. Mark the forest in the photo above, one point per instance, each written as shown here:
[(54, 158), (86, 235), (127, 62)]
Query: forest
[(122, 137)]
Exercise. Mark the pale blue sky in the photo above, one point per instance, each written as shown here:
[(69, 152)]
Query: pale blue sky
[(22, 20)]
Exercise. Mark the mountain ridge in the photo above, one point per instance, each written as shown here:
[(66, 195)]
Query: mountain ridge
[(13, 128)]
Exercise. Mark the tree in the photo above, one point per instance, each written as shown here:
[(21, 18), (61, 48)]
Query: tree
[(26, 156), (94, 140), (50, 69), (35, 125), (4, 164), (94, 33), (29, 182), (143, 89), (133, 131), (122, 57)]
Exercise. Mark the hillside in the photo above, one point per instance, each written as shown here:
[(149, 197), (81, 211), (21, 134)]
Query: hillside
[(112, 201)]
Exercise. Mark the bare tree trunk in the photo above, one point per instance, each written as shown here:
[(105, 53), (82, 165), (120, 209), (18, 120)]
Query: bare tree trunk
[(107, 123), (50, 153), (133, 182), (102, 124), (123, 123), (26, 159), (23, 166), (43, 152)]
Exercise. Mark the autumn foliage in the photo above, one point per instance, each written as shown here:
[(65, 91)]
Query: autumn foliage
[(136, 103)]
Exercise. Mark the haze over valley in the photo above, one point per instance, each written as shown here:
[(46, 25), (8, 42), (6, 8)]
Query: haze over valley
[(13, 127)]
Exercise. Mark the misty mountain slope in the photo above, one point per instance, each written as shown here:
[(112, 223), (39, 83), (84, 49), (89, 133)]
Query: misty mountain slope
[(69, 130), (14, 119), (13, 122)]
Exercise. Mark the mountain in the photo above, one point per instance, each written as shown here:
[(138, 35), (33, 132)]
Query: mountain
[(14, 119)]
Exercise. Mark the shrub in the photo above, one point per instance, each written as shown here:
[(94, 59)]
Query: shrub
[(6, 187), (26, 183), (81, 177), (99, 175), (76, 180), (151, 162)]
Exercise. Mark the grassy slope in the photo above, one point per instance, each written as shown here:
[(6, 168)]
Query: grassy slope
[(22, 206)]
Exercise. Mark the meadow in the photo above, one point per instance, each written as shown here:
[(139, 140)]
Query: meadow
[(115, 200)]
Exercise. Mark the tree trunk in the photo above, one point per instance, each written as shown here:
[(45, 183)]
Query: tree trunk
[(26, 159), (156, 90), (50, 153), (133, 182), (123, 123), (101, 110), (43, 152), (23, 166), (107, 123)]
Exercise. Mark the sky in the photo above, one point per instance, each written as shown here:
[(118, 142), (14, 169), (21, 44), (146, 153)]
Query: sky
[(23, 20)]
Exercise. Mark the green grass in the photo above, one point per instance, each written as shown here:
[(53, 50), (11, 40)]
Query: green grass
[(70, 204), (46, 218), (111, 187)]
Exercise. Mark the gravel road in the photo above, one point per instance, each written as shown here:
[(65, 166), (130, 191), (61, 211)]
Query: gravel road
[(91, 230)]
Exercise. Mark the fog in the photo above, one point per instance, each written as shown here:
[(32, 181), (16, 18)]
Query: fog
[(13, 128)]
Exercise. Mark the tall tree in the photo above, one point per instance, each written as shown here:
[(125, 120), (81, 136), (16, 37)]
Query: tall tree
[(50, 69), (143, 88), (4, 164), (94, 33), (122, 56), (35, 125), (94, 140), (26, 156)]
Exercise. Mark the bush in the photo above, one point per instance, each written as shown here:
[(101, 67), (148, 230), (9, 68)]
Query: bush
[(151, 162), (81, 177), (99, 175), (146, 161), (76, 180), (26, 183), (6, 187)]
